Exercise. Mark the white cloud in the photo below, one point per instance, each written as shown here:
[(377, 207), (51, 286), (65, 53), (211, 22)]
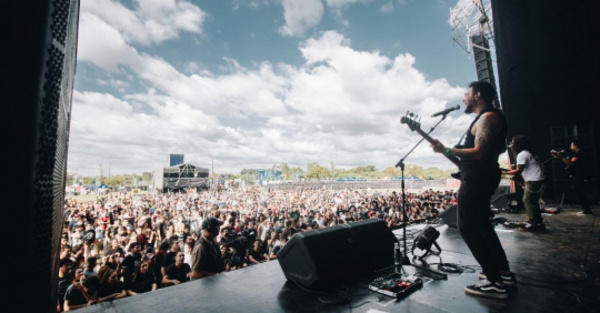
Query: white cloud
[(387, 7), (300, 16), (338, 5), (466, 12), (150, 21), (341, 105), (102, 44)]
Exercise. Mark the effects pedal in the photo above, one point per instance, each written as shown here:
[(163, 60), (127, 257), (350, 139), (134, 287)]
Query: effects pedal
[(395, 287)]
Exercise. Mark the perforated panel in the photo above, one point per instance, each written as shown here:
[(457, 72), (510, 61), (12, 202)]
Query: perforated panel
[(42, 43)]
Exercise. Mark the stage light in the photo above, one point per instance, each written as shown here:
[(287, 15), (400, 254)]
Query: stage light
[(425, 240)]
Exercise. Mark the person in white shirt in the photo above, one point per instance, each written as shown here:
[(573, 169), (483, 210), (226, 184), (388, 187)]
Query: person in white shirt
[(530, 169)]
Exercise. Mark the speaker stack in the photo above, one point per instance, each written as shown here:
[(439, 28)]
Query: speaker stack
[(40, 47)]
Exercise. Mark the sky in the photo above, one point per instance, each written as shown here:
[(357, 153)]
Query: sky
[(246, 84)]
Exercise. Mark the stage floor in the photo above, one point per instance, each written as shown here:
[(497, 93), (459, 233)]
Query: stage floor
[(557, 271)]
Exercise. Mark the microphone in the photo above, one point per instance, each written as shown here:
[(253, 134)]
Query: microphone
[(446, 111)]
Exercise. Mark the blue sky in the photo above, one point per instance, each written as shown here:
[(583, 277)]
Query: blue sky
[(252, 83)]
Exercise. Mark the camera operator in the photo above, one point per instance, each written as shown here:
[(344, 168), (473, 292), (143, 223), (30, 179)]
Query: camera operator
[(237, 246), (206, 256)]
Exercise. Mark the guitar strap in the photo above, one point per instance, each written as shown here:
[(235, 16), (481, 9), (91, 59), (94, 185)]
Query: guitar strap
[(460, 141)]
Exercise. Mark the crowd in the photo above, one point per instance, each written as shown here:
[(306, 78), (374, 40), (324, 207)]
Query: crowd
[(124, 244)]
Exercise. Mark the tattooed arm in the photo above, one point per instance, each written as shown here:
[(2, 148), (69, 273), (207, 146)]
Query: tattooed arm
[(485, 130)]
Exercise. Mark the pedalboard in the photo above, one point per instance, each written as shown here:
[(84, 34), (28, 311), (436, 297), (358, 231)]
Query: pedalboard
[(396, 287)]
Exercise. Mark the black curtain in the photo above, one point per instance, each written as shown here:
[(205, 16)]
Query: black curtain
[(549, 77)]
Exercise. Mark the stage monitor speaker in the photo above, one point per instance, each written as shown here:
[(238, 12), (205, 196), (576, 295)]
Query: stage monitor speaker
[(337, 254), (449, 217), (510, 201)]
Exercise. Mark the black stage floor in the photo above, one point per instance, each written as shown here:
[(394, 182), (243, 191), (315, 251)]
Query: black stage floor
[(557, 271)]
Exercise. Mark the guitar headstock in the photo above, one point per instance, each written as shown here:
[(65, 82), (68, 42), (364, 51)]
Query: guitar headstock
[(411, 120)]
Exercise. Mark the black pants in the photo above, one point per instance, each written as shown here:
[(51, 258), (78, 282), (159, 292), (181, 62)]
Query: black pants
[(579, 187), (475, 225)]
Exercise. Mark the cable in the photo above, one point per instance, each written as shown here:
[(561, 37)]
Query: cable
[(450, 268)]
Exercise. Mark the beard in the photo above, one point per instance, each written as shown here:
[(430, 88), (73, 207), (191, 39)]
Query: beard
[(468, 108)]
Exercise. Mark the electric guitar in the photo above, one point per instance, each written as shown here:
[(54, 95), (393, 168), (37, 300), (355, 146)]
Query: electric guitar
[(512, 163), (416, 126)]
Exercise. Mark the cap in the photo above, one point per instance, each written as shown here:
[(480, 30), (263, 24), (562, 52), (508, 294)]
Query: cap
[(211, 222)]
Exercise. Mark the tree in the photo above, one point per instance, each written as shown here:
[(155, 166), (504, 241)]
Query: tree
[(147, 176), (117, 180), (285, 171), (315, 171)]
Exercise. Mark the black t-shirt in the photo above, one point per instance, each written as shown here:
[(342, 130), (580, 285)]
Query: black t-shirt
[(63, 285), (178, 273), (169, 259), (583, 167), (257, 255), (74, 295), (143, 282), (107, 289), (129, 262)]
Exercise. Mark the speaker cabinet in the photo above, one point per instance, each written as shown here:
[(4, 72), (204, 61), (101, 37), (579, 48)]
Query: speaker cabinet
[(40, 46), (449, 217), (511, 202), (337, 254)]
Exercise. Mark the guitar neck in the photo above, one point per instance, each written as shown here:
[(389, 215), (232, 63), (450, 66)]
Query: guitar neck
[(431, 141)]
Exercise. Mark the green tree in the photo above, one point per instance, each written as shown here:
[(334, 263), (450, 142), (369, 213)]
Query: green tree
[(114, 181), (285, 171), (315, 171), (147, 176)]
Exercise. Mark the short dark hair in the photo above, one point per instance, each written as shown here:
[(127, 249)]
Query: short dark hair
[(577, 143), (486, 90)]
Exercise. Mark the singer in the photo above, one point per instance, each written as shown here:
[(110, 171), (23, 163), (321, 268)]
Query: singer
[(480, 177)]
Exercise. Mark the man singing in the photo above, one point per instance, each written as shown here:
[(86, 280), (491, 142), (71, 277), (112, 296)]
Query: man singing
[(480, 177)]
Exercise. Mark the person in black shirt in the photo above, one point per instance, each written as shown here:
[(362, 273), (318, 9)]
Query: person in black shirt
[(142, 280), (485, 140), (580, 165), (178, 272)]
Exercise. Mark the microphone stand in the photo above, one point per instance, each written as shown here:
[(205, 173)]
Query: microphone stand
[(405, 259)]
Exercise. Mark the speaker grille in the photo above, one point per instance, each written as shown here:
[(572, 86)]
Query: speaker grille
[(51, 155)]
